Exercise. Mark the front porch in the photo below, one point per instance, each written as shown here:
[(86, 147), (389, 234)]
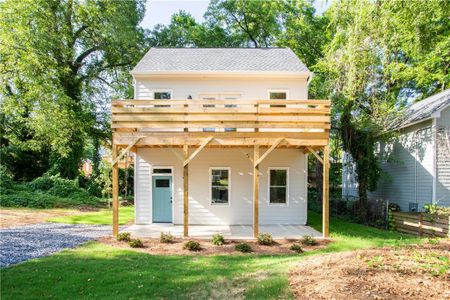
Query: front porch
[(194, 125), (236, 232)]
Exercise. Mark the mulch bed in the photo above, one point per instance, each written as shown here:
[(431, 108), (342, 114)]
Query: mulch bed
[(154, 246), (410, 272)]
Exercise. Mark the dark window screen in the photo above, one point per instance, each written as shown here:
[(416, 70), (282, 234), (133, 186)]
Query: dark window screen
[(162, 183)]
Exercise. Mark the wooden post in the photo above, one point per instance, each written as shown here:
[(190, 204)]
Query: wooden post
[(115, 191), (186, 191), (420, 224), (326, 192), (255, 192)]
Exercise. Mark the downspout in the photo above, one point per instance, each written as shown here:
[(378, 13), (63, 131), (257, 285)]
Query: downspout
[(435, 156)]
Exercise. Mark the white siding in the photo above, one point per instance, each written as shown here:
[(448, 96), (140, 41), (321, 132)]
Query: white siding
[(443, 158), (248, 87), (408, 171), (240, 210)]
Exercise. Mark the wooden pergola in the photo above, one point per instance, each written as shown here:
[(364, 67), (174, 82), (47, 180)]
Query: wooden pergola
[(260, 124)]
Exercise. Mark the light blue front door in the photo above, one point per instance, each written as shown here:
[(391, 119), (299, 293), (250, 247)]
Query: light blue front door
[(162, 199)]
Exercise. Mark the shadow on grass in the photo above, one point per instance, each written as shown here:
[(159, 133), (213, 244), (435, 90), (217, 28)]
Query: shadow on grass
[(352, 236), (101, 272)]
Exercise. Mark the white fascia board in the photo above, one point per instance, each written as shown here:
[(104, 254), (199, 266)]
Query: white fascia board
[(221, 74)]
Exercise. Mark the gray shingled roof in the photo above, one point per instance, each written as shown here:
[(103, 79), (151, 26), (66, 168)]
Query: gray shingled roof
[(281, 60), (423, 110)]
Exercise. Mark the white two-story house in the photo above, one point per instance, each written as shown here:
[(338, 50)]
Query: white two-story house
[(221, 136)]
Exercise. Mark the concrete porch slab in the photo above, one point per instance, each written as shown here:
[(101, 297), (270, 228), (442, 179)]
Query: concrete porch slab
[(231, 232)]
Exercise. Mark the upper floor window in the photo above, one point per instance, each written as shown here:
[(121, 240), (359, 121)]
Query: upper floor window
[(278, 95), (162, 95)]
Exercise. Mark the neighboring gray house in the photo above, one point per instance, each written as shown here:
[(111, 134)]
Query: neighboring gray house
[(417, 164)]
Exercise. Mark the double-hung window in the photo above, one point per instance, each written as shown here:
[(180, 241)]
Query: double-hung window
[(220, 186), (278, 185)]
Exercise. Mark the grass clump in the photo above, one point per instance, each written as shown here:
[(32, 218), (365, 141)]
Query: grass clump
[(243, 247), (308, 240), (265, 239), (124, 237), (296, 248), (136, 243), (192, 246), (218, 239), (166, 238)]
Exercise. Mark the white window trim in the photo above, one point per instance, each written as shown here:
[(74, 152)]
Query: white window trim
[(277, 91), (162, 91), (287, 186), (162, 167), (210, 186)]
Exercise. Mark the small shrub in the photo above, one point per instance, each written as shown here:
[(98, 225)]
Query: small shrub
[(124, 237), (136, 243), (436, 209), (265, 239), (433, 241), (166, 238), (309, 241), (218, 239), (192, 246), (243, 247), (296, 248)]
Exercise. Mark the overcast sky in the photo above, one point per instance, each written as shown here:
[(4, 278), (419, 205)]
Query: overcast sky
[(160, 11)]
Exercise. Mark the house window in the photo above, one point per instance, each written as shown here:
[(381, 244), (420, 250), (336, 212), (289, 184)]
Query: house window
[(278, 95), (278, 185), (220, 185), (162, 95)]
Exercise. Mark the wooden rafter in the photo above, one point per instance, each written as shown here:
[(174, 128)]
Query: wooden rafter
[(275, 144), (315, 154), (122, 154), (197, 151)]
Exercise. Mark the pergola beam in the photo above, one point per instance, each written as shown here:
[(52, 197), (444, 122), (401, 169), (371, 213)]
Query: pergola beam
[(326, 193), (115, 191), (186, 192), (255, 192)]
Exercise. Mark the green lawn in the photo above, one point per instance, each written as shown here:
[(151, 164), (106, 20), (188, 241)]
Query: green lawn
[(96, 271), (103, 216)]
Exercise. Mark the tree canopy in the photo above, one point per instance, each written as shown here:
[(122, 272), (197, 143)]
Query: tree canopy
[(63, 60)]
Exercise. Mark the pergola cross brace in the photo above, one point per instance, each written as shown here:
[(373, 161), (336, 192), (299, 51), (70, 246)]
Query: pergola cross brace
[(123, 152), (315, 154), (275, 144), (197, 151)]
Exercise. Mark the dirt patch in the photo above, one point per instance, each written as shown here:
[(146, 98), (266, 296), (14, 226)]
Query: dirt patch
[(413, 272), (18, 217), (154, 246)]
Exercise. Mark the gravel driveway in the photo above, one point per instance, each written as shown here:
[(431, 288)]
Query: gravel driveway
[(22, 243)]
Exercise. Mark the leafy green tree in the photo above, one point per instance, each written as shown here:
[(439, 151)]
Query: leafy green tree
[(381, 55), (61, 61)]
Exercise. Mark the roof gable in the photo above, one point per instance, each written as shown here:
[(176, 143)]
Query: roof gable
[(220, 60), (423, 110)]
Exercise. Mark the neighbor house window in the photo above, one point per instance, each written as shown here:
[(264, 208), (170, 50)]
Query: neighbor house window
[(278, 185), (220, 185)]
